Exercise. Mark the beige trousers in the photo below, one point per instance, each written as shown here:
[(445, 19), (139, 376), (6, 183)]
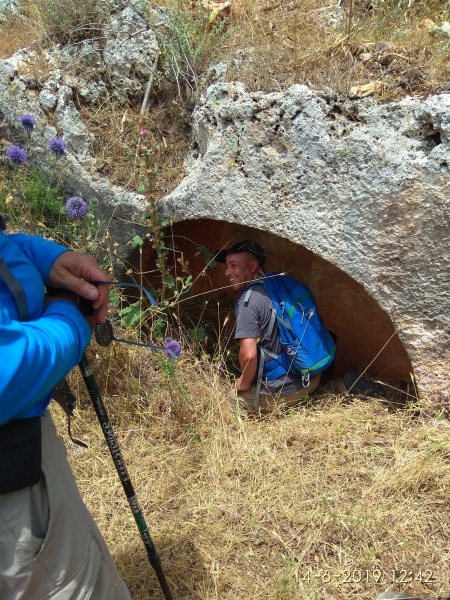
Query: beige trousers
[(268, 403), (50, 546)]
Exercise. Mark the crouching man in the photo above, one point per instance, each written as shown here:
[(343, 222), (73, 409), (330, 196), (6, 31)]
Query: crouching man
[(254, 319)]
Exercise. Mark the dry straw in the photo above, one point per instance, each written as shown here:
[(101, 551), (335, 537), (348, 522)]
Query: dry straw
[(268, 45), (336, 499)]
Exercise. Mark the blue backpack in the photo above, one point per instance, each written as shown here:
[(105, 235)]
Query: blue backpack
[(308, 348)]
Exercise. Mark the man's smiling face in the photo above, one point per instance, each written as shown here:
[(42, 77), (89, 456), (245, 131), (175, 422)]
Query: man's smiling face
[(240, 269)]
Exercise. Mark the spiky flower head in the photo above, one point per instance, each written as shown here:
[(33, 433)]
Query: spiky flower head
[(28, 122), (57, 146), (172, 348), (76, 207), (16, 155)]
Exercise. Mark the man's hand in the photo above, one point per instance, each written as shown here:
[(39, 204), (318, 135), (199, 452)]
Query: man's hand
[(241, 386), (73, 271)]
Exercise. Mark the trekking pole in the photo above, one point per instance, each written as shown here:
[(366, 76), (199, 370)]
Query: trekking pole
[(116, 454)]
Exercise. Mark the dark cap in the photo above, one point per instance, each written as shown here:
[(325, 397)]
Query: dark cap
[(247, 246)]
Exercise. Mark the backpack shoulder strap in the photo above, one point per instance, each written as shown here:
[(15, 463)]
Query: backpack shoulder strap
[(16, 289), (245, 295), (14, 286)]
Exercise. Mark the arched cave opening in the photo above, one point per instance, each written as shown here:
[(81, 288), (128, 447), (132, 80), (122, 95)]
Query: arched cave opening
[(366, 338)]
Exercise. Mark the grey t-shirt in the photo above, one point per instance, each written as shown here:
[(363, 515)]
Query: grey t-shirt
[(252, 321)]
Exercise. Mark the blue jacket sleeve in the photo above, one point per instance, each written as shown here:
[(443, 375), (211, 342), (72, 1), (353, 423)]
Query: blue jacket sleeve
[(41, 252), (36, 355)]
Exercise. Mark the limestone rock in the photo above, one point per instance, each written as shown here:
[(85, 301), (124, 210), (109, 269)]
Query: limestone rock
[(126, 59), (361, 184), (368, 89), (129, 53)]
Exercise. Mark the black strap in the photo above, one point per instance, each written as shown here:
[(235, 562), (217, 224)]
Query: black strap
[(264, 353), (20, 454), (63, 395), (259, 378), (16, 289)]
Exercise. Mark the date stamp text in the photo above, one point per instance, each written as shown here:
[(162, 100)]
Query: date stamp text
[(379, 576)]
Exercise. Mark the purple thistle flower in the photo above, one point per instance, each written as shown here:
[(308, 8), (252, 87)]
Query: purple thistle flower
[(171, 348), (57, 146), (28, 122), (76, 207), (16, 155)]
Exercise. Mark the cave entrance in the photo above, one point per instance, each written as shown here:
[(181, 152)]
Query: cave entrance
[(366, 339)]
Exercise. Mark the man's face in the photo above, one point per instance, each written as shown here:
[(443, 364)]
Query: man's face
[(240, 269)]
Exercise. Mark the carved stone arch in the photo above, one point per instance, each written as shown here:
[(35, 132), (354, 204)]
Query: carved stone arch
[(366, 337)]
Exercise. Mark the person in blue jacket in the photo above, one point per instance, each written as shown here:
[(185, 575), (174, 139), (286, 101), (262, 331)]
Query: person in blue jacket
[(50, 547)]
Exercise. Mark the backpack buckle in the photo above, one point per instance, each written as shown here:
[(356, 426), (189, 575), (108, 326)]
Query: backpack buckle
[(306, 378)]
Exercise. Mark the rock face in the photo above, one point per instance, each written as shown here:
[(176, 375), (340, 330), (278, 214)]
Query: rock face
[(125, 60), (351, 196), (362, 185)]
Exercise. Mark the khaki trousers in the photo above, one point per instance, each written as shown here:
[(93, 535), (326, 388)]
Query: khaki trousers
[(50, 546), (268, 403)]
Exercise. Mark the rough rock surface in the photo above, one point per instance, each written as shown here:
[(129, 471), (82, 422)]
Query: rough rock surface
[(363, 185), (126, 61)]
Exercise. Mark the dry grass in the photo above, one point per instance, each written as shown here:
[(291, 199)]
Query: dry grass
[(334, 500), (18, 30), (119, 145), (278, 43), (270, 45)]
